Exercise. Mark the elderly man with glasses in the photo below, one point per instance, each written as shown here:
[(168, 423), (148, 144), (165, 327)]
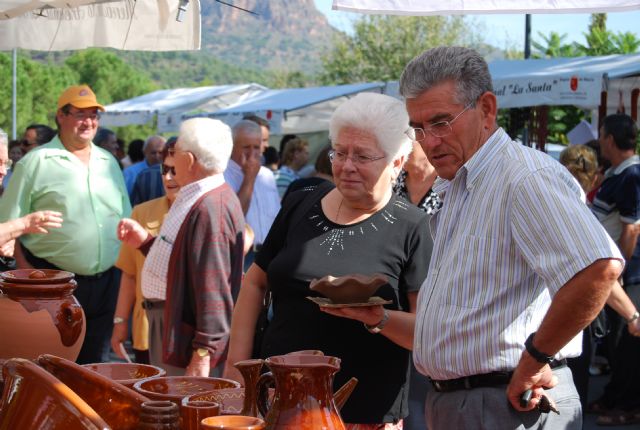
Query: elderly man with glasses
[(83, 182), (193, 269), (519, 267)]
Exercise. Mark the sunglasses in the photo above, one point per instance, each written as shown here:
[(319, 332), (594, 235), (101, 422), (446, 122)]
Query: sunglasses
[(168, 169)]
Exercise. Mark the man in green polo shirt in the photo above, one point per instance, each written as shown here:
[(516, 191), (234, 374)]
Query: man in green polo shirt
[(73, 176)]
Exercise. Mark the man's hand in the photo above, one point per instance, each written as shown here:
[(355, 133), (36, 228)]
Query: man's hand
[(131, 233), (250, 165), (198, 366), (634, 327), (529, 375)]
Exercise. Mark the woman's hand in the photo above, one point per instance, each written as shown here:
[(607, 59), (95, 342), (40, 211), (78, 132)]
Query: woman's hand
[(131, 233), (369, 315), (40, 221)]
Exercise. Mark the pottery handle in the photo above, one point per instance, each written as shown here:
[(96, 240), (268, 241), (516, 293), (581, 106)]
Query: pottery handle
[(266, 379), (72, 313)]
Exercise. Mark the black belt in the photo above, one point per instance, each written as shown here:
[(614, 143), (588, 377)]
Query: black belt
[(152, 304), (92, 277), (493, 379)]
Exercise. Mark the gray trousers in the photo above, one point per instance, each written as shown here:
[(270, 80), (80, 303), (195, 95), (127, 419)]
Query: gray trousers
[(488, 408), (156, 317)]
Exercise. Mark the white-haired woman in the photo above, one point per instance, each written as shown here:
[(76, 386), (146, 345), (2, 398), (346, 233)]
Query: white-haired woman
[(359, 226)]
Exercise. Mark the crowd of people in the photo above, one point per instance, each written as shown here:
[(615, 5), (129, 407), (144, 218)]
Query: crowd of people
[(499, 260)]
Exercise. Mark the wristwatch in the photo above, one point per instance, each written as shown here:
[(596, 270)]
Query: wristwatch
[(118, 320), (634, 317), (202, 352), (540, 357), (378, 328)]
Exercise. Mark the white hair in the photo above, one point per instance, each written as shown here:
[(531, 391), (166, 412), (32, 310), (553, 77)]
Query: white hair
[(209, 140), (383, 116)]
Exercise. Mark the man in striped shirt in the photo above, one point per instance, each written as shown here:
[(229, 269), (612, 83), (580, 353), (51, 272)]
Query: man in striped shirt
[(519, 267)]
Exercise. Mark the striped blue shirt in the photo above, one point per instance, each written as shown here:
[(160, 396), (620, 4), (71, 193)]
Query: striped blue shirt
[(511, 232)]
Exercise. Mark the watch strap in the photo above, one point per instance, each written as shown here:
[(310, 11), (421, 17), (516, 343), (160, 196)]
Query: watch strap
[(378, 327), (540, 357)]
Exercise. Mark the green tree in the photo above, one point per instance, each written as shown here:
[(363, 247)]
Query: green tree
[(38, 88), (108, 75), (553, 45), (382, 45)]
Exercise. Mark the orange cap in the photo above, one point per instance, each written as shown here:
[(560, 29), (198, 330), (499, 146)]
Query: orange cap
[(79, 96)]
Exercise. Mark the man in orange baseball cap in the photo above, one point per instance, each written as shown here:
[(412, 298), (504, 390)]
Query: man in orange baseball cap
[(82, 181)]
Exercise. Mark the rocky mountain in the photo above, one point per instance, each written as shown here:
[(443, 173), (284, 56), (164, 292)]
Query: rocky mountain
[(283, 35)]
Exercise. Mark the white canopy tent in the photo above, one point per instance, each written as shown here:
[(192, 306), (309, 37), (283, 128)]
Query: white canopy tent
[(169, 106), (55, 25), (147, 25), (450, 7), (295, 110)]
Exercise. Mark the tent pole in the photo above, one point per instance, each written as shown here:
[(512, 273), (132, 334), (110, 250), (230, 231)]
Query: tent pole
[(14, 125)]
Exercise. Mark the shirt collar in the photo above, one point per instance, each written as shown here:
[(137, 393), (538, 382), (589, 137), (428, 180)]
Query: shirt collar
[(612, 171), (206, 184), (478, 163), (96, 151)]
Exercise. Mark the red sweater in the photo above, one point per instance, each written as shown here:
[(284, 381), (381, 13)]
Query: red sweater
[(205, 272)]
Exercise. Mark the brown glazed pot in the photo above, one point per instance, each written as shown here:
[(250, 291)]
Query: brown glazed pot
[(232, 422), (35, 399), (39, 314), (193, 412), (303, 395), (126, 373), (118, 405)]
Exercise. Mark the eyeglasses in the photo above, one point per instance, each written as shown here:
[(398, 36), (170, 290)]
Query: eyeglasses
[(437, 129), (168, 169), (7, 163), (81, 116), (341, 157)]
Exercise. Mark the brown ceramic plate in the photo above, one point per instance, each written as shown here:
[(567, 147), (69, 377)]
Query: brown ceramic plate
[(327, 303)]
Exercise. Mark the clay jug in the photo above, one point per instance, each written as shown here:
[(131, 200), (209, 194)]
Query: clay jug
[(35, 399), (118, 405), (39, 314), (250, 370), (303, 398)]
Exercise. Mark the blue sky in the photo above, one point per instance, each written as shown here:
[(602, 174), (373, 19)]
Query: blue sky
[(508, 30)]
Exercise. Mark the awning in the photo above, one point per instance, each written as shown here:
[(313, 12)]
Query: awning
[(170, 105), (295, 110)]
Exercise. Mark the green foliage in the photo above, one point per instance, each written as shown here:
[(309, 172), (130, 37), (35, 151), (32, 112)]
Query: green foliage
[(554, 46), (38, 88), (382, 45)]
